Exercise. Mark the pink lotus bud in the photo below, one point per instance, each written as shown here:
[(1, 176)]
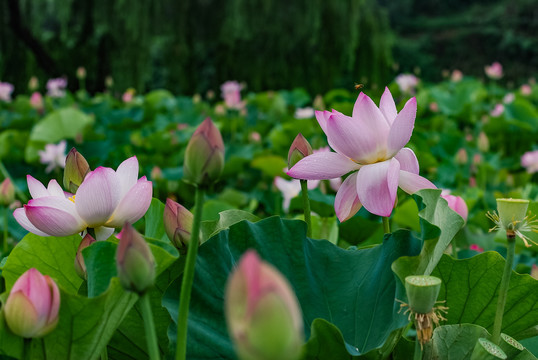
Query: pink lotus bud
[(262, 312), (497, 110), (434, 107), (36, 101), (255, 137), (461, 157), (33, 84), (318, 103), (477, 159), (109, 82), (80, 266), (456, 76), (7, 192), (135, 262), (156, 173), (457, 204), (525, 89), (534, 271), (299, 149), (476, 248), (81, 73), (128, 95), (76, 169), (529, 160), (483, 142), (204, 156), (231, 92), (472, 181), (31, 309), (178, 224), (494, 71)]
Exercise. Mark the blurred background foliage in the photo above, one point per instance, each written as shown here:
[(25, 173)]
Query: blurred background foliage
[(191, 46)]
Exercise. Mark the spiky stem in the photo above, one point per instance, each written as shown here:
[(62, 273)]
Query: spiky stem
[(503, 290)]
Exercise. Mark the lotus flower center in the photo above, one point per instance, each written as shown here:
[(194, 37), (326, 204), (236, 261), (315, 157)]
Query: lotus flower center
[(72, 198)]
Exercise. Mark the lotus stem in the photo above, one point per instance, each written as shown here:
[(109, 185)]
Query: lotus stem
[(503, 290), (306, 207), (4, 245), (149, 327), (418, 350), (188, 277), (386, 225)]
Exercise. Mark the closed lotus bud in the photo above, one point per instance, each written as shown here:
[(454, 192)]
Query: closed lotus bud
[(7, 192), (204, 156), (81, 72), (31, 309), (461, 157), (135, 262), (483, 142), (178, 224), (80, 266), (262, 312), (457, 204), (76, 169), (299, 149)]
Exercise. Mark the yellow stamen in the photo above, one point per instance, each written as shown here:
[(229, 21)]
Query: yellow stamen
[(72, 198)]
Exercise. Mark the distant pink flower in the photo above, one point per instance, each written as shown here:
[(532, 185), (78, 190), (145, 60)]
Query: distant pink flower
[(231, 93), (304, 113), (53, 155), (457, 204), (508, 98), (434, 107), (477, 248), (106, 199), (128, 95), (525, 89), (255, 137), (406, 83), (36, 101), (529, 160), (497, 110), (5, 91), (290, 189), (534, 271), (33, 83), (472, 181), (461, 156), (370, 144), (456, 76), (56, 87), (494, 71)]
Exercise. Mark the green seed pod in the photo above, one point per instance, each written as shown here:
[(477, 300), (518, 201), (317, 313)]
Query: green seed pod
[(486, 350), (422, 292), (510, 346), (512, 212)]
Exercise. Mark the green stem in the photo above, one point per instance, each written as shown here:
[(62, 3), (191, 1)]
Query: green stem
[(26, 349), (149, 327), (4, 245), (4, 172), (188, 277), (503, 290), (306, 207), (418, 350), (386, 224), (104, 354)]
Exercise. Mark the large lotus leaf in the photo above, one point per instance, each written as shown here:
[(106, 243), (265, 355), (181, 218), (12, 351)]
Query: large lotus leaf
[(470, 288), (64, 123), (439, 224), (85, 327), (53, 256), (353, 289)]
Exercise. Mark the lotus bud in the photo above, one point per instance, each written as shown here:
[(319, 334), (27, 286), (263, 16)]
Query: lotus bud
[(483, 142), (486, 350), (7, 192), (80, 266), (135, 262), (33, 84), (31, 309), (178, 224), (81, 73), (457, 204), (262, 312), (461, 157), (204, 156), (156, 173), (299, 149), (76, 169)]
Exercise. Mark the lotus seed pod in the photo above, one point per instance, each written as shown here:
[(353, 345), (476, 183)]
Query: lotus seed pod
[(512, 212), (422, 292), (486, 350), (510, 346)]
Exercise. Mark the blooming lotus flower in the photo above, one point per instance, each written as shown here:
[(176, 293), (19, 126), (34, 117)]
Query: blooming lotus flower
[(304, 113), (529, 160), (406, 82), (56, 87), (5, 91), (53, 155), (106, 199), (290, 189), (494, 71), (32, 307), (509, 98), (497, 110), (371, 141), (231, 93)]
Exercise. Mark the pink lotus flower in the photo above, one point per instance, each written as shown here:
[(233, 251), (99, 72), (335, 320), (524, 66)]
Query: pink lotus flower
[(231, 93), (56, 87), (494, 71), (53, 155), (497, 111), (31, 309), (5, 91), (406, 83), (106, 199), (36, 101), (290, 189), (456, 76), (128, 95), (529, 160), (457, 204), (476, 248), (525, 89), (371, 141)]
